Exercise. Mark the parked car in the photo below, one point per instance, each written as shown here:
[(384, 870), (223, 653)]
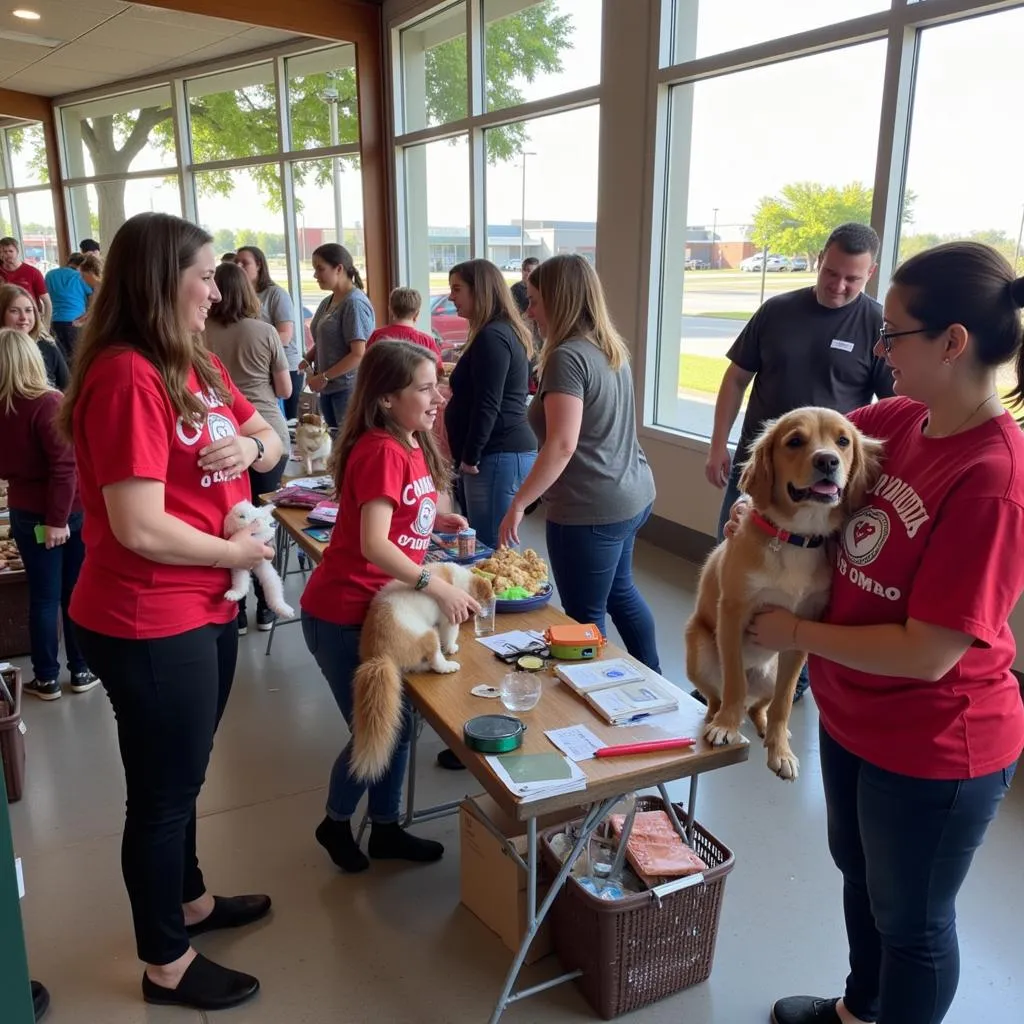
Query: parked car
[(698, 265), (446, 324), (777, 264), (752, 263), (798, 263)]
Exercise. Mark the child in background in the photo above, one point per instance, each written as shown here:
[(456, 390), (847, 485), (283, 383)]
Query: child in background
[(404, 306)]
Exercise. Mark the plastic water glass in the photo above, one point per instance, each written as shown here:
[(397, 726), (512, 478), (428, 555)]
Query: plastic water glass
[(483, 624), (520, 691)]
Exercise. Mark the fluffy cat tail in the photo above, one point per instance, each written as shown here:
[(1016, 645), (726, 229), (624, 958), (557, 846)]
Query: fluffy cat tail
[(377, 716)]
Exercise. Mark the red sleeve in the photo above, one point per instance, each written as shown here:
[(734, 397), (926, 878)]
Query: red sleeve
[(127, 432), (971, 575), (378, 471), (62, 482), (241, 407), (38, 283)]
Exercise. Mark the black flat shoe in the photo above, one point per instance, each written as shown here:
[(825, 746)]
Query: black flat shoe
[(805, 1010), (40, 1000), (204, 986), (231, 912), (448, 759)]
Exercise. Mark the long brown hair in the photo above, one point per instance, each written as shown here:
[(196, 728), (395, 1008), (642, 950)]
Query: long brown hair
[(146, 259), (386, 368), (238, 299), (22, 370), (575, 308), (9, 294), (492, 300)]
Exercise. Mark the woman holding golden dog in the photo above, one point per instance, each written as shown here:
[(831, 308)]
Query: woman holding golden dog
[(921, 716)]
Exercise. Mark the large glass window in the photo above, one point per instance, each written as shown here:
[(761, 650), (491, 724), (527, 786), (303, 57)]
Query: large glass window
[(119, 134), (38, 229), (434, 69), (136, 195), (535, 208), (538, 50), (27, 148), (437, 227), (704, 27), (752, 197), (322, 100), (233, 114)]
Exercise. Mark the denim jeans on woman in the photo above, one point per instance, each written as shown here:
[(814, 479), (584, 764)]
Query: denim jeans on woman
[(490, 492), (904, 846), (593, 569), (52, 575), (334, 406), (336, 650)]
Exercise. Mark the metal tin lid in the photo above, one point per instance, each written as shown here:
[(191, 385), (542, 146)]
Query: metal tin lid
[(493, 727)]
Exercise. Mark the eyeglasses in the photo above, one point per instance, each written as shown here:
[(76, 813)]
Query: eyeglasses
[(885, 337)]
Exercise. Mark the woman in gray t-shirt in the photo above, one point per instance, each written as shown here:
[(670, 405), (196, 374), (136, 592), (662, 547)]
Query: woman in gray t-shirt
[(341, 326), (597, 487)]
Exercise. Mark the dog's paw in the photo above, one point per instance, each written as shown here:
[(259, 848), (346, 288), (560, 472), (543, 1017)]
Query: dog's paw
[(235, 595), (784, 763), (444, 667), (283, 611), (452, 649), (720, 734)]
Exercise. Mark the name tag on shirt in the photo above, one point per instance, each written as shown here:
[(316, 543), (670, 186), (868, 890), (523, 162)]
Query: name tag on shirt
[(843, 346)]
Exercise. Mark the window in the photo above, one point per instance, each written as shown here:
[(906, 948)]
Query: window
[(243, 206), (233, 115), (703, 27), (542, 187), (437, 225), (434, 69), (322, 100), (744, 183), (6, 227), (38, 230), (98, 210), (328, 208), (27, 147), (119, 134), (540, 50)]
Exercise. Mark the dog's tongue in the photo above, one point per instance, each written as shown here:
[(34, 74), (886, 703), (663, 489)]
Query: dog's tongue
[(825, 487)]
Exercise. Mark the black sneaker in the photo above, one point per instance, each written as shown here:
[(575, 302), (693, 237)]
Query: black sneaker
[(805, 1010), (40, 1000), (44, 689), (83, 681), (243, 622), (265, 620)]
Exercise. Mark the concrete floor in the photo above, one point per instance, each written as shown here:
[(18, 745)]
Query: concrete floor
[(393, 944)]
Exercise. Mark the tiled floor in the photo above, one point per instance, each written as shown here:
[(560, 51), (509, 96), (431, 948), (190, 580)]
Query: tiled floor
[(393, 945)]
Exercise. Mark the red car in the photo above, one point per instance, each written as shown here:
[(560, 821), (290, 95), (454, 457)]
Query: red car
[(448, 327)]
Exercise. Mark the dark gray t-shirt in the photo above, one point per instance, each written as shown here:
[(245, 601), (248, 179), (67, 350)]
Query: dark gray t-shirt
[(607, 479), (276, 308), (334, 330), (803, 353)]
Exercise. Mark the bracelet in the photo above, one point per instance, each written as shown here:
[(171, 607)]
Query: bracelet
[(423, 582)]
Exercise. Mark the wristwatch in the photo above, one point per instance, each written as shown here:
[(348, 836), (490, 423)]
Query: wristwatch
[(424, 581), (260, 450)]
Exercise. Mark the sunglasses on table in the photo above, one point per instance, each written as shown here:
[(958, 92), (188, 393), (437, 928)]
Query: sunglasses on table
[(885, 337)]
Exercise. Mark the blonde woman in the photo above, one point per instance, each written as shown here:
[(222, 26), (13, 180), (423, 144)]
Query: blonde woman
[(591, 472), (46, 513), (491, 442), (18, 311)]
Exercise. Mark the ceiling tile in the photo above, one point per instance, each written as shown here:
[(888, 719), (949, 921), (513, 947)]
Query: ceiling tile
[(87, 56), (165, 41)]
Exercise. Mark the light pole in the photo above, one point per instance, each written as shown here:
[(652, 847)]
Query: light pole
[(522, 220), (331, 99), (714, 239)]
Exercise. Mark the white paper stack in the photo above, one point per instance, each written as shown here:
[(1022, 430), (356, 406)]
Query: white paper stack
[(537, 776), (618, 690)]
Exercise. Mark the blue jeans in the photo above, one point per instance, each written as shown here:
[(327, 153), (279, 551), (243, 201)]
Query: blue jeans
[(593, 569), (904, 846), (334, 406), (336, 650), (52, 576), (490, 492)]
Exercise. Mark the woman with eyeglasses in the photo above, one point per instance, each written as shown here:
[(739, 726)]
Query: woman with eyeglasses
[(921, 718)]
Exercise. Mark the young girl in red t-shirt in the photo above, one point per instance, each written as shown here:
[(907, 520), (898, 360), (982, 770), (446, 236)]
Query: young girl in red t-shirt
[(162, 441), (921, 716), (388, 474)]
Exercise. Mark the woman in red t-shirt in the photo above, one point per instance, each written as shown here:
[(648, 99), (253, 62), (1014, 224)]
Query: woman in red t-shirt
[(921, 716), (388, 474), (163, 440)]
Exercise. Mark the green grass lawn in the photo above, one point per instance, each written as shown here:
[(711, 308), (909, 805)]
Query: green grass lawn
[(732, 314), (701, 373)]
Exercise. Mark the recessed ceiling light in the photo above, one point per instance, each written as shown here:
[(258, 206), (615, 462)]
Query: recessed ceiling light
[(26, 15)]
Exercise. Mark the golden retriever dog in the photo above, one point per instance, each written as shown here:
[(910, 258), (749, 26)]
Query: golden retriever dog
[(312, 443), (404, 631), (806, 472)]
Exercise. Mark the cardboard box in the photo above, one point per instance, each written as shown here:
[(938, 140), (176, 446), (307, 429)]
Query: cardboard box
[(493, 884)]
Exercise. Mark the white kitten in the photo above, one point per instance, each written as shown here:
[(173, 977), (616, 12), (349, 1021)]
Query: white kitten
[(244, 513)]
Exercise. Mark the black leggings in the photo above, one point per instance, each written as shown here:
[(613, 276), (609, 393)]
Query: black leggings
[(168, 696)]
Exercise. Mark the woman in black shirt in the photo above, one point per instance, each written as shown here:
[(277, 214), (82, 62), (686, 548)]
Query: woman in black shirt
[(491, 442)]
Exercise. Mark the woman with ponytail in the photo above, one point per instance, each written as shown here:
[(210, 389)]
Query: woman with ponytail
[(920, 714), (341, 326)]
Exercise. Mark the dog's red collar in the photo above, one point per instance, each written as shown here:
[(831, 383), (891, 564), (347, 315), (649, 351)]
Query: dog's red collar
[(781, 536)]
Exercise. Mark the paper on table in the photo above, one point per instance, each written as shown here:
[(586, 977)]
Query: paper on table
[(575, 741), (514, 640)]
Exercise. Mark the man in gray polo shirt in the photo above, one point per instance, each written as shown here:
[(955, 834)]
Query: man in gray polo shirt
[(813, 346)]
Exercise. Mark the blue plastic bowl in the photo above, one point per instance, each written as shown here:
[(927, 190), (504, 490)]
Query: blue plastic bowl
[(526, 604)]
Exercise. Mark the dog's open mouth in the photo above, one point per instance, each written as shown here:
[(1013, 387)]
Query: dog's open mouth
[(825, 492)]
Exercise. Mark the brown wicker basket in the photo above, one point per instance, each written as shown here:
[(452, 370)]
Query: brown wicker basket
[(12, 739), (14, 634), (639, 949)]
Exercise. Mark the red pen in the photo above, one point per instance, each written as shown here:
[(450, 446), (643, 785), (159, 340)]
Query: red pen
[(647, 747)]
